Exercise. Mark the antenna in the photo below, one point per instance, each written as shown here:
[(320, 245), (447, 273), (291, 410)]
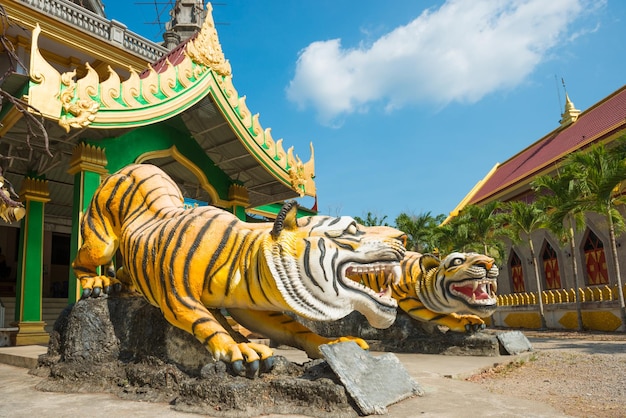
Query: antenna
[(160, 7), (558, 93), (164, 7)]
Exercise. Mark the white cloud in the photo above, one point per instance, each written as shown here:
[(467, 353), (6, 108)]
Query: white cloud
[(459, 52)]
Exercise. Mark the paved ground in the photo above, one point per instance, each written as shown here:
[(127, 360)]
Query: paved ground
[(447, 395)]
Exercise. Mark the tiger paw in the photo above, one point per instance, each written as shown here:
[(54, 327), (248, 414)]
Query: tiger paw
[(360, 342), (473, 323), (250, 359), (96, 285)]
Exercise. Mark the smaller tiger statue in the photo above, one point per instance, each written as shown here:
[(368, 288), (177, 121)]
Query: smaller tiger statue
[(455, 292)]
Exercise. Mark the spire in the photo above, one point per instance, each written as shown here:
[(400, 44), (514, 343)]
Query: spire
[(187, 17), (570, 114)]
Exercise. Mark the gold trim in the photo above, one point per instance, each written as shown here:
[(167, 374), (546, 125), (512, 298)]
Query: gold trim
[(455, 212), (35, 190), (301, 174), (238, 195), (206, 49), (10, 119), (45, 90), (199, 174), (87, 157)]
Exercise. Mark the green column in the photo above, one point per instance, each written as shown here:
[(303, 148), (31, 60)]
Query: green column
[(87, 165), (238, 196), (28, 308)]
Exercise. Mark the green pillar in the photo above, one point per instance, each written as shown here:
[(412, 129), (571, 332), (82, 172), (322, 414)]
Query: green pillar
[(28, 307), (87, 166), (238, 196)]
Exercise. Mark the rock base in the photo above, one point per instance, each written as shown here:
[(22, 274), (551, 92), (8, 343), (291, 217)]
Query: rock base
[(124, 346), (408, 335)]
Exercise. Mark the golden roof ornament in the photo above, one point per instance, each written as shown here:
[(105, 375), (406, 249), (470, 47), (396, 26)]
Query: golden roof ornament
[(205, 48), (570, 114)]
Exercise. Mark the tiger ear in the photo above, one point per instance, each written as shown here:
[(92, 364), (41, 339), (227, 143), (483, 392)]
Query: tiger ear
[(286, 218), (428, 262)]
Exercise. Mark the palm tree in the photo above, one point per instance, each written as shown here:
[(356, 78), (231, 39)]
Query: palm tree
[(418, 229), (560, 195), (600, 173), (521, 220), (372, 220), (450, 236), (484, 224)]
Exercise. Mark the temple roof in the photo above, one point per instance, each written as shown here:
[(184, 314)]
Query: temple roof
[(602, 121), (193, 81)]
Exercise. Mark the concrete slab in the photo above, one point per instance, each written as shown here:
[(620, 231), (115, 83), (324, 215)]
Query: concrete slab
[(357, 369), (514, 342)]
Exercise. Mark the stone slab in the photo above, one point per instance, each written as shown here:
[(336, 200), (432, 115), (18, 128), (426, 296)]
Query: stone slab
[(372, 382), (514, 342)]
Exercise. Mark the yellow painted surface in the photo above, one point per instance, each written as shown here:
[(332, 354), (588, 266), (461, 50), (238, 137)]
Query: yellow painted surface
[(523, 320), (593, 320)]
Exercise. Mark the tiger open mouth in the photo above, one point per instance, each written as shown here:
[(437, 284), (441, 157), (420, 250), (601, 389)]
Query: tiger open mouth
[(477, 292), (391, 272)]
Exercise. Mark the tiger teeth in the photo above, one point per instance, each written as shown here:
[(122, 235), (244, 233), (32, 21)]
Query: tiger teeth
[(396, 272)]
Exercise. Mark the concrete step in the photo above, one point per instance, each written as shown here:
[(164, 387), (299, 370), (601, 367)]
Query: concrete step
[(51, 309)]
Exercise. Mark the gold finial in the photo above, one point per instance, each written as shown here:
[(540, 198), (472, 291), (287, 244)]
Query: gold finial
[(570, 114)]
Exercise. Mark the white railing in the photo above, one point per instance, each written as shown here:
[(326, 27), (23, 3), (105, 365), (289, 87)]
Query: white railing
[(109, 30)]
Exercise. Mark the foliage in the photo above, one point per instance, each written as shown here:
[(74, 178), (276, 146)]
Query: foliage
[(372, 220), (419, 230), (600, 173)]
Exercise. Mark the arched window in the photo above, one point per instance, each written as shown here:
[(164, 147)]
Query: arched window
[(551, 272), (517, 274), (595, 261)]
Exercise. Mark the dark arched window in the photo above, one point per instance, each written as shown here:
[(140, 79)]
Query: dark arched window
[(517, 274), (595, 261), (551, 272)]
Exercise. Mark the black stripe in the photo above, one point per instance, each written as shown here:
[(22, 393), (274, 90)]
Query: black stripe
[(209, 272)]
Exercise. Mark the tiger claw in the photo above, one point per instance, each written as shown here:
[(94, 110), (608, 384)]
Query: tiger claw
[(117, 287), (252, 369), (96, 292), (237, 367), (267, 364), (86, 293)]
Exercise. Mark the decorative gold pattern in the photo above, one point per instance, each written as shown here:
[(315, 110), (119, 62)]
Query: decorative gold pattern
[(140, 101), (302, 175), (87, 157), (35, 190), (238, 195), (206, 49)]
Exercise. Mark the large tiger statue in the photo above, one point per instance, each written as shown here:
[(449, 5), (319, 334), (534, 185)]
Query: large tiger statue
[(456, 292), (185, 261)]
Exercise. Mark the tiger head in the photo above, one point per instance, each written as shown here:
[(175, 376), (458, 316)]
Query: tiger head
[(461, 283), (310, 260)]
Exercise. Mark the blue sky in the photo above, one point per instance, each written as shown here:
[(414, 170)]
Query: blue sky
[(410, 103)]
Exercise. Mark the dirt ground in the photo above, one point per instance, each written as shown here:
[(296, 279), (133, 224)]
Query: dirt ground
[(580, 383)]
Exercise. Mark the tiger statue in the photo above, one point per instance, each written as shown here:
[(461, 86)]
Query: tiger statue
[(455, 292), (186, 261)]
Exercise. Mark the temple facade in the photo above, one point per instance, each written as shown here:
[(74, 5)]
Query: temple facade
[(92, 97), (604, 122)]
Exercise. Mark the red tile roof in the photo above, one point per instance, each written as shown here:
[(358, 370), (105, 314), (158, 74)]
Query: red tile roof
[(599, 121)]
